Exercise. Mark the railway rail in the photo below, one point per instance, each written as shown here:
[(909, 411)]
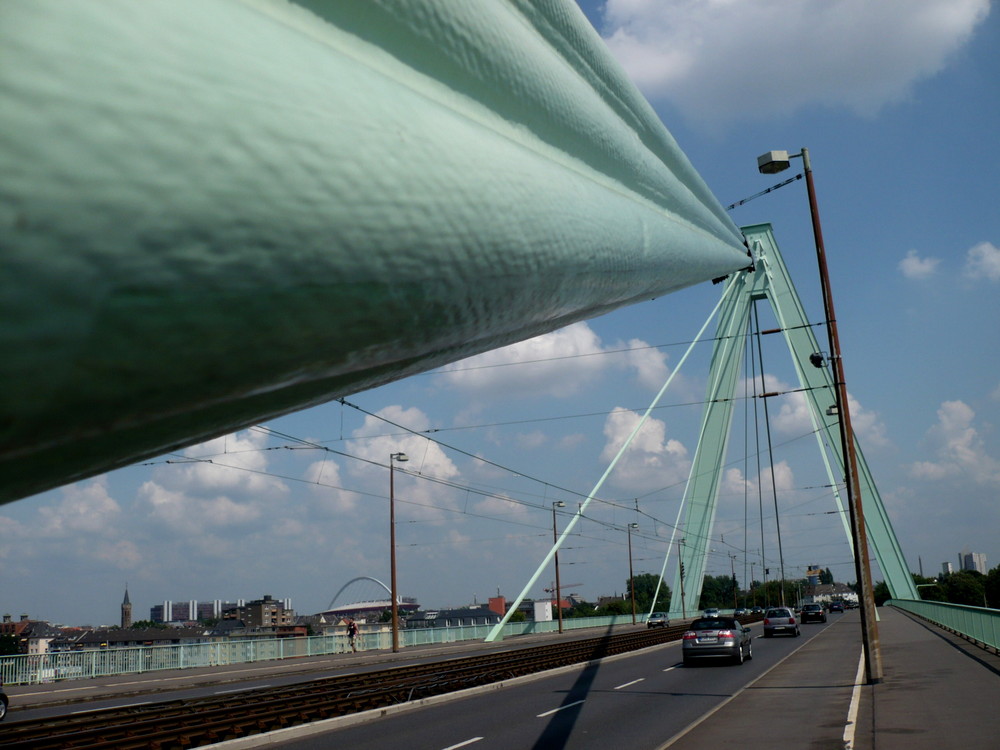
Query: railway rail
[(201, 721)]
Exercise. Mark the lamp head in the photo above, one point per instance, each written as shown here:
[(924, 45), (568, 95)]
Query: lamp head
[(558, 504), (773, 162), (401, 457)]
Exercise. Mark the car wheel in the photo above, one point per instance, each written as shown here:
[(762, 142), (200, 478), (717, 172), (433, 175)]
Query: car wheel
[(767, 634), (749, 650), (3, 708), (738, 658), (688, 662), (796, 632)]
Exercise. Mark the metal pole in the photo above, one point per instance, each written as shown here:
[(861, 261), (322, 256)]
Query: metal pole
[(732, 567), (393, 457), (862, 563), (557, 504), (392, 554), (680, 565), (631, 577)]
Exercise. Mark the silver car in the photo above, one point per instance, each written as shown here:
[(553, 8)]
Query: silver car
[(658, 620), (716, 637), (780, 620)]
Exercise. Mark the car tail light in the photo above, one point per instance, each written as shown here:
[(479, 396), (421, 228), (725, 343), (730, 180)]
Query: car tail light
[(725, 634), (791, 620), (689, 635), (766, 621)]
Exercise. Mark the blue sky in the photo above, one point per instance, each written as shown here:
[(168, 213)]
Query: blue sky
[(898, 103)]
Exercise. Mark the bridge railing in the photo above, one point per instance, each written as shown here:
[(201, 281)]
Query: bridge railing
[(27, 669), (978, 624)]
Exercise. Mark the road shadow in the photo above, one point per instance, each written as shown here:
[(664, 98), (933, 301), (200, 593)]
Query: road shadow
[(561, 723)]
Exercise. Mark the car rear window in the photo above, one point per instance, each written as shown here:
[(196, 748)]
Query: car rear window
[(778, 613), (712, 623)]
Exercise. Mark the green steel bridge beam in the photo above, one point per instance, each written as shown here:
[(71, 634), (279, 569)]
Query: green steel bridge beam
[(770, 280)]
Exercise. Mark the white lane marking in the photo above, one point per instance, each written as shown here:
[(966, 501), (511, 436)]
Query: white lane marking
[(852, 712), (110, 708), (463, 744), (668, 669), (556, 710), (240, 690), (630, 683), (64, 690)]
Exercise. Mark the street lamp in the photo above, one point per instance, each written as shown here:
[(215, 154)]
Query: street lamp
[(770, 163), (680, 575), (631, 578), (393, 458), (557, 504)]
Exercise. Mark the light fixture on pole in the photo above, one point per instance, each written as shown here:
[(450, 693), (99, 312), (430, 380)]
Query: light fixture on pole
[(770, 163), (393, 458), (631, 578), (557, 504)]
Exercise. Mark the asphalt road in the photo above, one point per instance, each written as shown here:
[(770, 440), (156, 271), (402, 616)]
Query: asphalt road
[(636, 700)]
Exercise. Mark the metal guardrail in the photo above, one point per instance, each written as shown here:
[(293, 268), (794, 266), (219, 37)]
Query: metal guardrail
[(28, 669), (978, 624)]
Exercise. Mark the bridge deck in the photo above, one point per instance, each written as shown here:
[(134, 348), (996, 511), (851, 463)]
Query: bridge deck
[(938, 691)]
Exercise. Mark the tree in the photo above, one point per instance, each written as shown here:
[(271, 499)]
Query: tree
[(616, 607), (992, 588), (645, 587), (148, 625), (880, 592), (928, 589), (9, 645), (965, 587), (826, 577), (716, 591), (583, 609)]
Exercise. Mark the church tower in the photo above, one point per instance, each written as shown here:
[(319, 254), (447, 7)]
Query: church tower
[(126, 610)]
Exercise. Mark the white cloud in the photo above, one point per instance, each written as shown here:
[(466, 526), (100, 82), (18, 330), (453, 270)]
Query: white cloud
[(721, 59), (327, 488), (425, 458), (232, 464), (959, 449), (557, 364), (186, 513), (983, 260), (784, 478), (793, 416), (915, 267), (86, 508), (651, 459)]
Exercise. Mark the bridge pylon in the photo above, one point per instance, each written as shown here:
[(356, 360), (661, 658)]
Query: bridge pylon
[(769, 280)]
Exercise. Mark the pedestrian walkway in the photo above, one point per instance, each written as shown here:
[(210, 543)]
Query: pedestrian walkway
[(938, 692)]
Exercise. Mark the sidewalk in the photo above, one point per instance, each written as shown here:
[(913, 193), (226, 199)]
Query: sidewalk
[(938, 692)]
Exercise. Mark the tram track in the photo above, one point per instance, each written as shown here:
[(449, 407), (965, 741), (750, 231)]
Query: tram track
[(195, 722)]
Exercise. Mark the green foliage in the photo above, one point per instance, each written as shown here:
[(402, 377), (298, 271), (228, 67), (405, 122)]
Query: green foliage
[(717, 591), (992, 588), (826, 577), (8, 645), (148, 625), (582, 609), (880, 592), (518, 616), (645, 587), (617, 607), (965, 587)]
